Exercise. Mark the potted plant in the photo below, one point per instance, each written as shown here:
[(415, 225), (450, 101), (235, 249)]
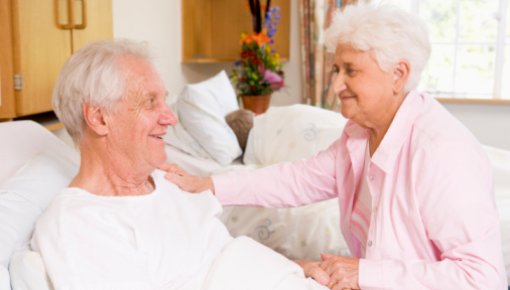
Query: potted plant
[(258, 72)]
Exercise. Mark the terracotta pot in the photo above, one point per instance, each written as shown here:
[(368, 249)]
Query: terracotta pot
[(256, 104)]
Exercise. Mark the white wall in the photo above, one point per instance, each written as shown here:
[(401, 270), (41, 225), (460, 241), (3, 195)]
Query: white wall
[(489, 123), (159, 23)]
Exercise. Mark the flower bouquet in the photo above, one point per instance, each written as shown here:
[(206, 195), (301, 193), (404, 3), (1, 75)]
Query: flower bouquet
[(258, 72)]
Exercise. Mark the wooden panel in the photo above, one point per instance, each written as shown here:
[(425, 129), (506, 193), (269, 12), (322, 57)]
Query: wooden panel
[(40, 50), (98, 22), (474, 101), (212, 32), (196, 29), (6, 70)]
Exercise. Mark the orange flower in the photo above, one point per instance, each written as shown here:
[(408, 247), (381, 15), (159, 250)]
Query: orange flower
[(260, 38)]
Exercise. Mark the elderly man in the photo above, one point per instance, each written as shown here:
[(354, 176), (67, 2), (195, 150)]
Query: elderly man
[(120, 224)]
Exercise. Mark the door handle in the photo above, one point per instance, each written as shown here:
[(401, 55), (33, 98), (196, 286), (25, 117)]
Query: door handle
[(83, 24), (69, 13)]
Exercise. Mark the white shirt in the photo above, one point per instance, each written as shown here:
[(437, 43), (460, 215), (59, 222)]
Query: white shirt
[(164, 240)]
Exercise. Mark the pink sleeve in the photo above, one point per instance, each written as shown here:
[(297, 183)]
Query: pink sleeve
[(282, 185)]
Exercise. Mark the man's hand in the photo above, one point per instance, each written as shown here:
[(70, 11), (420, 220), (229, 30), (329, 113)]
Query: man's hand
[(186, 182), (342, 271), (313, 270)]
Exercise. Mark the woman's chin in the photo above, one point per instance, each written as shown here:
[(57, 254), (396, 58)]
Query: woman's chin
[(346, 111)]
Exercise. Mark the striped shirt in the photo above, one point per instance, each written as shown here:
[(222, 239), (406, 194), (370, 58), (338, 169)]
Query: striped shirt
[(362, 209)]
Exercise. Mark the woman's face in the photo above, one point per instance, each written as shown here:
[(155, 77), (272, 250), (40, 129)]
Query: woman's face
[(366, 92), (141, 118)]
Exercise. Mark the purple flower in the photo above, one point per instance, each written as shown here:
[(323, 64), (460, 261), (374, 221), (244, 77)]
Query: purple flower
[(271, 21)]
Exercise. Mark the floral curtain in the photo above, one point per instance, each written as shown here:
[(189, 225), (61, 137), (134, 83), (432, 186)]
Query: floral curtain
[(315, 16)]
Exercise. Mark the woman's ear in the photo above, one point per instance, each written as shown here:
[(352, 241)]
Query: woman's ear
[(95, 119), (401, 74)]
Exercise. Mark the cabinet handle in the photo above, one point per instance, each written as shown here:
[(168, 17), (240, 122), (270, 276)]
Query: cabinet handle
[(83, 24), (70, 22)]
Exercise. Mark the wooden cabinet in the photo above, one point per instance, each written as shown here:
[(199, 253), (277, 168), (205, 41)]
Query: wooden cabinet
[(7, 109), (211, 30), (44, 34)]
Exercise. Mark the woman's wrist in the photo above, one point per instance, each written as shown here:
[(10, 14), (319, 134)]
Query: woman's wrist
[(207, 184)]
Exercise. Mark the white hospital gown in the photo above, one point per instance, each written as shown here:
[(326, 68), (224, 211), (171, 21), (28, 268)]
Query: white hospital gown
[(164, 240)]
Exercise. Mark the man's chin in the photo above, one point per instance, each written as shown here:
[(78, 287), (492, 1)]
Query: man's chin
[(160, 161)]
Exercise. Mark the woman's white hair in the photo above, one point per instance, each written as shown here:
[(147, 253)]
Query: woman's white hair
[(390, 33), (92, 75)]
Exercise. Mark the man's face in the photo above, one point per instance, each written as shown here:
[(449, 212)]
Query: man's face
[(140, 119)]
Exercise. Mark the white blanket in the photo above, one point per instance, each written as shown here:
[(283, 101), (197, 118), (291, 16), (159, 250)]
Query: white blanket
[(248, 265)]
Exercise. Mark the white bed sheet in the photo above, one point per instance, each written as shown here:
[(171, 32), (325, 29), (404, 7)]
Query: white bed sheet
[(199, 165)]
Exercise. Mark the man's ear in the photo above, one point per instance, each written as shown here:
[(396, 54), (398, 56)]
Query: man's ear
[(401, 74), (95, 119)]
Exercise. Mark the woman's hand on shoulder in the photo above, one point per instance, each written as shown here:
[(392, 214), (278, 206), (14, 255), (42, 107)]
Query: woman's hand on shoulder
[(185, 181)]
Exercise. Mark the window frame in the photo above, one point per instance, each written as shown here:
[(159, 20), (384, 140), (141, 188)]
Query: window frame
[(501, 44)]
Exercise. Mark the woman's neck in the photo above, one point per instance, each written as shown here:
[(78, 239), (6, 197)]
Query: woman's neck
[(379, 128)]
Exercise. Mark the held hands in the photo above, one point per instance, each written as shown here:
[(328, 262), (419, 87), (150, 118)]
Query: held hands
[(185, 181), (313, 270), (335, 272), (342, 271)]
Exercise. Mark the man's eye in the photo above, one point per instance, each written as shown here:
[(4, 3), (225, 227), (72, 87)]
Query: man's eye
[(150, 102), (335, 69)]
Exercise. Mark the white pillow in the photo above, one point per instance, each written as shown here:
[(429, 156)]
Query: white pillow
[(500, 161), (291, 132), (202, 108), (179, 138), (504, 216), (27, 272), (25, 195), (5, 282)]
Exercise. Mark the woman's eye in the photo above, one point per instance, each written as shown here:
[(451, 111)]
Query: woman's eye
[(350, 72)]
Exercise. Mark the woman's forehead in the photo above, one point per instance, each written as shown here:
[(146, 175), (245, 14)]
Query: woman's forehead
[(347, 53)]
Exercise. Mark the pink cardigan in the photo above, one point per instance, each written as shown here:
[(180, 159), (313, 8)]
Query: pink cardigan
[(434, 222)]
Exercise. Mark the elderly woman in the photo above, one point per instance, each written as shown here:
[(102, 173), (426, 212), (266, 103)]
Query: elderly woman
[(413, 185), (120, 224)]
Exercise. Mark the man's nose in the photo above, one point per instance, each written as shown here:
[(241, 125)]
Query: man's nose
[(168, 117)]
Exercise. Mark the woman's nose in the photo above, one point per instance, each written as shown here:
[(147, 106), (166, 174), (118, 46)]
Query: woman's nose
[(338, 83)]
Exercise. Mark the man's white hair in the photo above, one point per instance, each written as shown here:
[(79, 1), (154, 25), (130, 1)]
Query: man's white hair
[(92, 75)]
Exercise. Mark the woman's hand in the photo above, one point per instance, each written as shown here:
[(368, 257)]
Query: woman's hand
[(313, 270), (185, 181), (342, 271)]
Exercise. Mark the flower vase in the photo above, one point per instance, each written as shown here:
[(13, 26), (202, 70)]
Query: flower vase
[(256, 104)]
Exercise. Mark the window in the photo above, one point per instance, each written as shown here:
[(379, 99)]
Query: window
[(470, 47)]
